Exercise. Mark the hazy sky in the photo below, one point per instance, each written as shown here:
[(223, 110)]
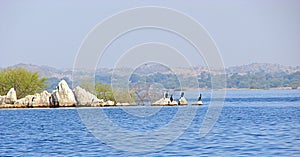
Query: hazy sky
[(50, 32)]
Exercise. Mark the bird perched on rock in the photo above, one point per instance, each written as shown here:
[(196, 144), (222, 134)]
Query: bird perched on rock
[(200, 96)]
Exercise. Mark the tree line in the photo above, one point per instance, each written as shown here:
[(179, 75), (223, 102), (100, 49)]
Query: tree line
[(28, 83), (233, 80)]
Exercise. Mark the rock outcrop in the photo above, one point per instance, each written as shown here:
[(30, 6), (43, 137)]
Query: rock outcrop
[(62, 96), (182, 101), (36, 100), (85, 98), (165, 102), (11, 96), (25, 102), (41, 99)]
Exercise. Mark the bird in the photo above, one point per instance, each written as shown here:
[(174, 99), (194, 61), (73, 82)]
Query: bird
[(166, 94), (182, 94), (199, 99)]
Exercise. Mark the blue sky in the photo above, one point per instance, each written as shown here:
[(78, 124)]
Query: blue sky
[(50, 32)]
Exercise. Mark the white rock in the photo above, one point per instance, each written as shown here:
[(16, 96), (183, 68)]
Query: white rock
[(161, 101), (20, 101), (63, 95), (108, 103), (199, 102), (123, 104), (164, 102), (2, 100), (182, 101), (173, 103), (42, 98), (84, 97), (26, 101), (11, 96)]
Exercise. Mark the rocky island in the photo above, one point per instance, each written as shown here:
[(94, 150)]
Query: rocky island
[(63, 96)]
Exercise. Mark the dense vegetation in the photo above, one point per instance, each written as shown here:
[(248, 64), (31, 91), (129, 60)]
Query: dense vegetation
[(106, 92), (255, 80), (263, 81), (23, 81), (250, 80), (235, 80)]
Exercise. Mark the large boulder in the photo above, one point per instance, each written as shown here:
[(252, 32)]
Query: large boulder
[(85, 98), (62, 96), (11, 96)]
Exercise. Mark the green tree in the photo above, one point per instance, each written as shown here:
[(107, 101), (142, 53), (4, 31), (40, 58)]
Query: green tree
[(23, 81), (104, 92)]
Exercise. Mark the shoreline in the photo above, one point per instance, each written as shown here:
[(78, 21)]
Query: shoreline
[(13, 107), (232, 89), (89, 107)]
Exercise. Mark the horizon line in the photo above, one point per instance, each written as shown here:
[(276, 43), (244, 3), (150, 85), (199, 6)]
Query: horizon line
[(193, 66)]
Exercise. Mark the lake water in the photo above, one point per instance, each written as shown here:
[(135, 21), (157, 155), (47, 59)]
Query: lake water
[(252, 123)]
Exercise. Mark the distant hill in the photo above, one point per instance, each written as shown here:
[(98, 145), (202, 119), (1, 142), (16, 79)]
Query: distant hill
[(256, 75), (44, 71), (47, 71), (262, 68)]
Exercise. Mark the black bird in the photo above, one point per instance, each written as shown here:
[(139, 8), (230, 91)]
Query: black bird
[(182, 94), (166, 95), (171, 98), (199, 99)]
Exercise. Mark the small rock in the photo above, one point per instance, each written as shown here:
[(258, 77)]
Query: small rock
[(123, 104), (108, 103), (182, 101)]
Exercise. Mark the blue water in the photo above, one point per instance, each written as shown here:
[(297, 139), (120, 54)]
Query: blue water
[(252, 123)]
